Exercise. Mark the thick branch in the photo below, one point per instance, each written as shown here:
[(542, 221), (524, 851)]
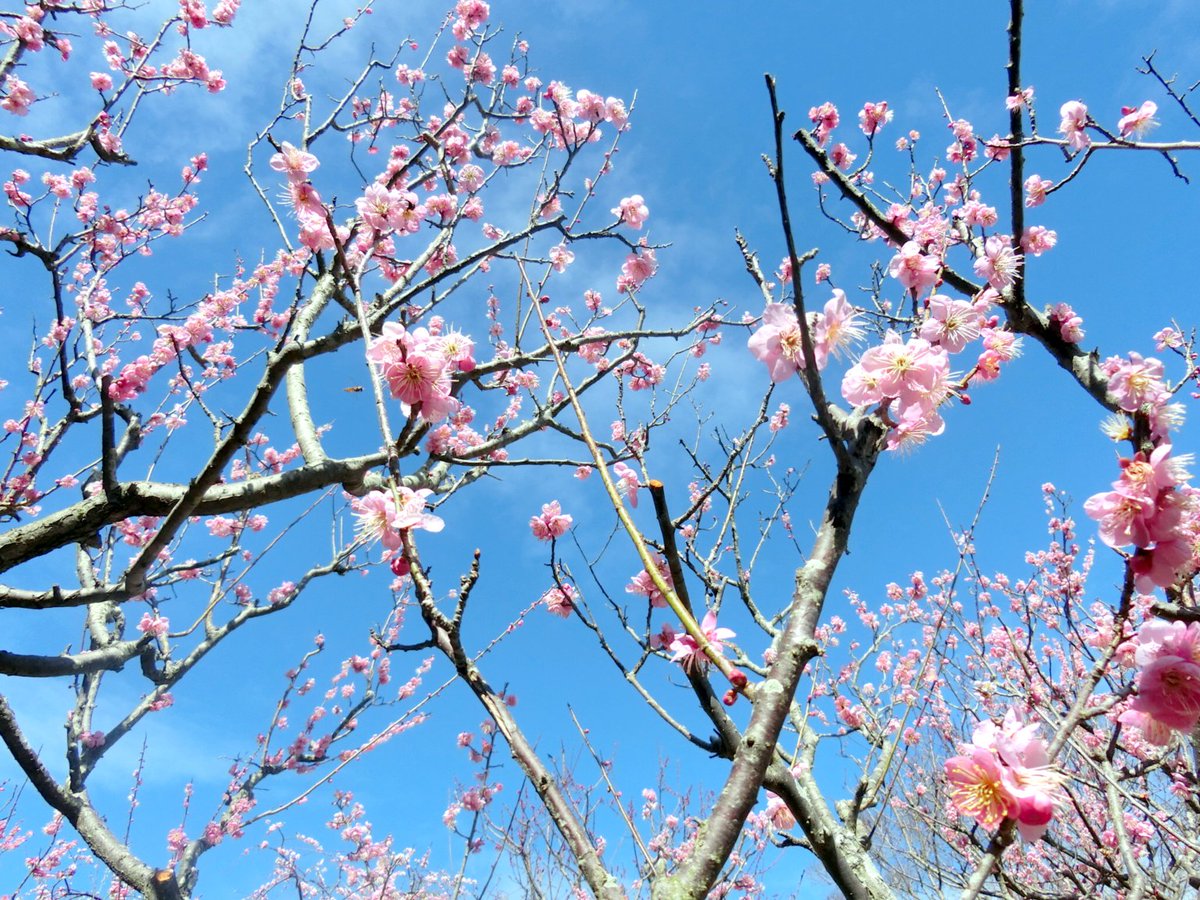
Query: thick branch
[(773, 697)]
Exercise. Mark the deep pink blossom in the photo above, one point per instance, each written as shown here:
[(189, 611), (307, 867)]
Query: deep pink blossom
[(643, 584), (1004, 773), (552, 523), (559, 600), (977, 788), (686, 650), (826, 118), (873, 116)]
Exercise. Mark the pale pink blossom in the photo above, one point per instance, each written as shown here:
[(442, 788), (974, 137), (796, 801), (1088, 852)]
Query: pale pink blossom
[(626, 483), (1035, 190), (1019, 100), (913, 268), (561, 257), (636, 269), (18, 96), (999, 263), (632, 211), (952, 323), (294, 162), (1137, 121), (1137, 383), (1038, 239), (1074, 124)]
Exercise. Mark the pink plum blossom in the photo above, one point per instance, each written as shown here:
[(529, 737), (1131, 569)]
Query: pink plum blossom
[(1146, 509), (1035, 190), (643, 584), (977, 788), (632, 211), (913, 268), (417, 371), (873, 116), (686, 650), (1004, 773), (627, 483), (1137, 121), (295, 163), (826, 118), (952, 323), (999, 263), (1168, 684), (1074, 124), (636, 269), (383, 514), (1136, 383), (559, 600), (1038, 239), (552, 523)]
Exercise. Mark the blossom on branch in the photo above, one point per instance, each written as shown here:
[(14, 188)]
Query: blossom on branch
[(552, 523), (1168, 681), (1004, 773), (1137, 121), (686, 650), (1074, 124)]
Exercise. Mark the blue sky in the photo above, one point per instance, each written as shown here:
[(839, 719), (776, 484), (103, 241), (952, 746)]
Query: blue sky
[(700, 125)]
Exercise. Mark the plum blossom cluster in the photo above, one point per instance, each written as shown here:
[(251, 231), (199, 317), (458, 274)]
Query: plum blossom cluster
[(384, 515), (778, 343), (1151, 507), (910, 378), (1167, 657), (909, 375), (297, 164), (1135, 122), (1004, 774), (418, 367), (128, 54)]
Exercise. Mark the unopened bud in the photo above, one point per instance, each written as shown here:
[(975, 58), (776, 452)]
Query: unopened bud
[(730, 697), (738, 679)]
